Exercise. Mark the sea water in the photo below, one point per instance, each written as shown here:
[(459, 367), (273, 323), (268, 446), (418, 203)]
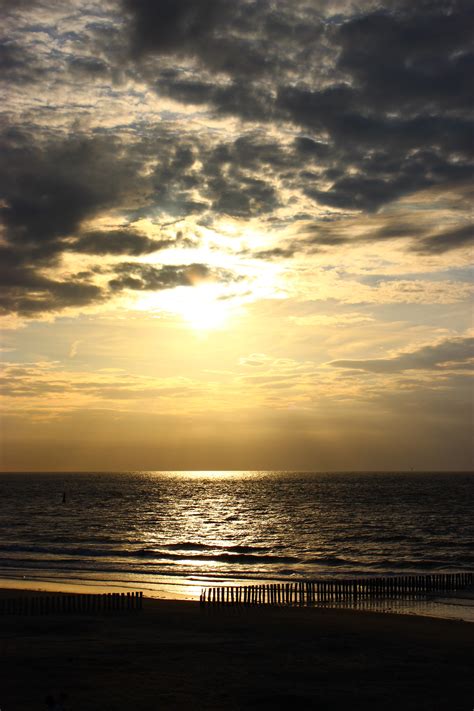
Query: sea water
[(169, 533)]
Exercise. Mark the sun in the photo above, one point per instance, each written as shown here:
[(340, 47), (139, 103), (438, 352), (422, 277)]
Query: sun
[(203, 308)]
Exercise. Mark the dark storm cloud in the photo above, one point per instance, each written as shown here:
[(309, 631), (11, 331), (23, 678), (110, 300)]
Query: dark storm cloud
[(415, 59), (400, 118), (10, 57), (6, 5), (383, 92), (25, 291), (394, 106), (445, 241), (389, 157), (422, 238), (380, 99), (168, 25), (88, 66), (194, 177), (237, 98), (240, 47), (309, 148), (451, 354), (176, 178), (49, 189), (278, 252), (242, 196), (418, 57), (59, 48), (19, 65), (146, 277), (240, 39), (238, 177), (123, 241), (252, 152)]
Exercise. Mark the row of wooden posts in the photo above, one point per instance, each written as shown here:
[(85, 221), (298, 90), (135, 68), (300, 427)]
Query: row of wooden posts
[(82, 604), (327, 591)]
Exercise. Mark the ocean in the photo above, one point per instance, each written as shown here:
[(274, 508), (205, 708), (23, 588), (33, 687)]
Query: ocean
[(170, 533)]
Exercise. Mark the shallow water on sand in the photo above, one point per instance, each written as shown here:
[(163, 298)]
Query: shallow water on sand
[(161, 530)]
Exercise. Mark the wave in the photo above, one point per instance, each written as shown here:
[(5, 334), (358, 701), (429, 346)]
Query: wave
[(420, 564), (240, 554), (110, 571), (227, 557), (34, 569), (234, 554), (72, 551), (187, 546), (330, 560), (191, 546)]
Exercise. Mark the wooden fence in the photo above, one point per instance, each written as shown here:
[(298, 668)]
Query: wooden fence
[(339, 591), (81, 604)]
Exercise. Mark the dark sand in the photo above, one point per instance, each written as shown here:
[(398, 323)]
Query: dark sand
[(175, 655)]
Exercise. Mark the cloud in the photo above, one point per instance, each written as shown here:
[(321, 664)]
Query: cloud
[(121, 241), (451, 354), (390, 104), (440, 242), (319, 141), (167, 25), (27, 292), (51, 187), (238, 39), (333, 137), (145, 277), (396, 109), (40, 382), (15, 64), (89, 67), (255, 359), (74, 348), (386, 119), (418, 57)]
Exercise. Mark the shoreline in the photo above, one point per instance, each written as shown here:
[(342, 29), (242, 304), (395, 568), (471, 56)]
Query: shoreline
[(175, 654), (453, 609)]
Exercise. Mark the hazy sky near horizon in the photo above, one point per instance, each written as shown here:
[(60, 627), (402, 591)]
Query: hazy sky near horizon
[(236, 234)]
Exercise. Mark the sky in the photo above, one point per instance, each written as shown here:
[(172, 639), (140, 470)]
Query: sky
[(236, 234)]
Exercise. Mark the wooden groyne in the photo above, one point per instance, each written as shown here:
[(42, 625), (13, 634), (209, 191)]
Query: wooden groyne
[(337, 590), (65, 604)]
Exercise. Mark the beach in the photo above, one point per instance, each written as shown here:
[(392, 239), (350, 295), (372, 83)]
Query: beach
[(177, 655)]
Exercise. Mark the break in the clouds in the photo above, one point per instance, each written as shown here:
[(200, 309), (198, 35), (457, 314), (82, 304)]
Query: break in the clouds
[(247, 165)]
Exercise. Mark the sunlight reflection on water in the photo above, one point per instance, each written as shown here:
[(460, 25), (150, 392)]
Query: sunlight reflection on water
[(155, 529)]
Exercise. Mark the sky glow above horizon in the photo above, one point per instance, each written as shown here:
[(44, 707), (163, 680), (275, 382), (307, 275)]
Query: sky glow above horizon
[(236, 235)]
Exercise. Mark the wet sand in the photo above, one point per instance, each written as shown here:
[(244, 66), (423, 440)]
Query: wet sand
[(176, 655)]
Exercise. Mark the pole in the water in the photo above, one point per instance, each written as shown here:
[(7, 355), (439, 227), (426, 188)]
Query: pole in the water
[(64, 497)]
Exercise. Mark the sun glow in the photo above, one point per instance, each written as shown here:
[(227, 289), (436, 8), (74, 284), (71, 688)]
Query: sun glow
[(203, 308), (207, 304)]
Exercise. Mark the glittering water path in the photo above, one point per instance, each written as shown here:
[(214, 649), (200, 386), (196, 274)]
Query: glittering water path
[(157, 531)]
